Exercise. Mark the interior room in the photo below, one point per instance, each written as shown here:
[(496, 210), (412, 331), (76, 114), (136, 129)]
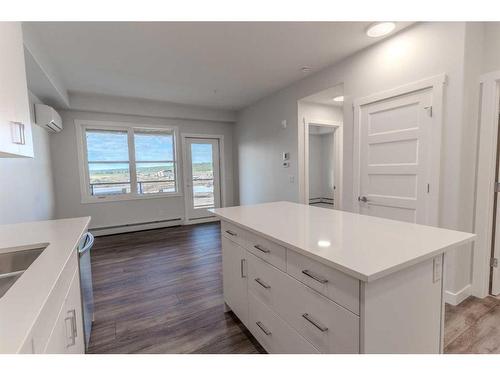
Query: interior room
[(249, 187)]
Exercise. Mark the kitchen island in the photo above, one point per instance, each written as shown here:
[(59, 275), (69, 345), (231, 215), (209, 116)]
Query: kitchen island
[(310, 280)]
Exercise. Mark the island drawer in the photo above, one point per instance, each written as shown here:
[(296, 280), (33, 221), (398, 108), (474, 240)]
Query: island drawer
[(327, 281), (263, 280), (269, 251), (263, 248), (275, 335), (328, 326), (235, 233)]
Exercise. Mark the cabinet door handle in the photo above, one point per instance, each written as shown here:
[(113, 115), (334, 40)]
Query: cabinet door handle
[(262, 248), (231, 233), (17, 133), (242, 268), (263, 328), (315, 323), (72, 321), (313, 276), (262, 283)]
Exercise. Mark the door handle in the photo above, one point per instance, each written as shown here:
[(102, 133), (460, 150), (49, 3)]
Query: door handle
[(72, 327), (363, 199)]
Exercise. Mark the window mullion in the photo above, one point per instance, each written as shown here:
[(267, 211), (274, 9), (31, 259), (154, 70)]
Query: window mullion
[(132, 165)]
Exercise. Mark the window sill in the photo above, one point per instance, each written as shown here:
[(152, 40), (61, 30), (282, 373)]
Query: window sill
[(128, 197)]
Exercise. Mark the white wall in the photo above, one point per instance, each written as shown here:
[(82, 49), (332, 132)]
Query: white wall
[(419, 52), (105, 214), (319, 112), (26, 186), (491, 60)]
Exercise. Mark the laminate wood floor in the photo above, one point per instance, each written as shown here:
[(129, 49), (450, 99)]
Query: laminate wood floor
[(160, 291), (473, 326)]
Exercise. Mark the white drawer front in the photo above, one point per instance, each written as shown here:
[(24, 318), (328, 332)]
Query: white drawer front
[(275, 335), (328, 326), (235, 233), (269, 251), (262, 280), (330, 282)]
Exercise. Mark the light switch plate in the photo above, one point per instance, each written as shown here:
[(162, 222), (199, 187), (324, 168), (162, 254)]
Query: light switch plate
[(285, 156)]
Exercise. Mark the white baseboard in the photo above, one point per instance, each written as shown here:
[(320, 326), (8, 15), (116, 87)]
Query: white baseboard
[(135, 227), (455, 298)]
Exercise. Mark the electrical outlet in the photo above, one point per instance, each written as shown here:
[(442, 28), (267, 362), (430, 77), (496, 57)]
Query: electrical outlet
[(285, 156)]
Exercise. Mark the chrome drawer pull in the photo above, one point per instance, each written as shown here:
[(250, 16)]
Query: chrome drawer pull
[(262, 283), (318, 325), (242, 265), (313, 276), (263, 249), (263, 328), (230, 232)]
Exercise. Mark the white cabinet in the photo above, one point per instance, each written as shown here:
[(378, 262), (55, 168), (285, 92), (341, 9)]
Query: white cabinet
[(59, 326), (234, 278), (67, 335), (15, 124), (291, 303)]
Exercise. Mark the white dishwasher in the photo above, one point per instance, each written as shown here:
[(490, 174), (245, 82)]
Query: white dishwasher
[(84, 247)]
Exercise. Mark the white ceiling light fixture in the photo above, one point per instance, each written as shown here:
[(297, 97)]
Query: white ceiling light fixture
[(324, 243), (339, 99), (379, 29)]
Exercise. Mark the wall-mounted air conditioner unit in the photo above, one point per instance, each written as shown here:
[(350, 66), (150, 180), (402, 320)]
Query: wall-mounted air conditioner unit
[(48, 118)]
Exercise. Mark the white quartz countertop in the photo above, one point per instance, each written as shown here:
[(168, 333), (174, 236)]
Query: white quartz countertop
[(20, 306), (364, 247)]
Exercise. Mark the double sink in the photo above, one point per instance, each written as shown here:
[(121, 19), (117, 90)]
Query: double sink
[(13, 264)]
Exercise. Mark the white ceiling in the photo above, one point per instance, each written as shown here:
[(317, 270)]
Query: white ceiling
[(214, 64)]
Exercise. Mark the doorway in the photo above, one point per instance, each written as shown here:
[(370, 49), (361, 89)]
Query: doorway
[(321, 148), (202, 180), (323, 171)]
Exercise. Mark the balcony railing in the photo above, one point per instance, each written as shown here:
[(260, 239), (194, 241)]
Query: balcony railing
[(140, 186)]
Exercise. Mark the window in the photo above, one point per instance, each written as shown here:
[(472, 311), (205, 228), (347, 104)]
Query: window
[(128, 163)]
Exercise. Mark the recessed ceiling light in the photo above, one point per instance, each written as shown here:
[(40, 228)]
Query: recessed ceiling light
[(323, 243), (339, 99), (305, 69), (380, 29)]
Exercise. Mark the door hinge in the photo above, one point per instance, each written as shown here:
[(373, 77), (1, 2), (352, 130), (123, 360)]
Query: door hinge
[(428, 188), (429, 110), (497, 187), (494, 262)]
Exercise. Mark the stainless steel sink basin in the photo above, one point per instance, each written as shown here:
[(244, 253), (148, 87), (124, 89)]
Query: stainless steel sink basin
[(13, 264)]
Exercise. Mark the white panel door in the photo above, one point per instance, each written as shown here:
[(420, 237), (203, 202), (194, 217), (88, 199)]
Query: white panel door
[(394, 156)]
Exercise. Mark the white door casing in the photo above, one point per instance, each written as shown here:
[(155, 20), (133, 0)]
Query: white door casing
[(489, 107), (397, 152)]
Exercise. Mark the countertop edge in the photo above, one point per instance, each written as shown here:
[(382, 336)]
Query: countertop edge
[(360, 276)]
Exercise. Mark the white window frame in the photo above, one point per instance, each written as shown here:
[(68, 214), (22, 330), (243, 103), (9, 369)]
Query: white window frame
[(82, 126)]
